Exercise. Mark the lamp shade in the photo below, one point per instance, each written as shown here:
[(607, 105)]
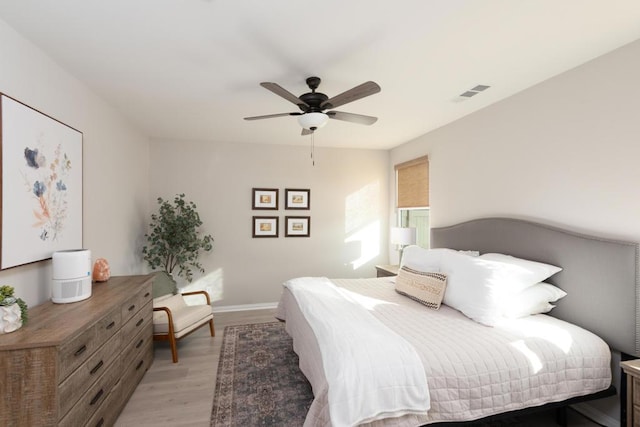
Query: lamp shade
[(313, 120), (403, 235)]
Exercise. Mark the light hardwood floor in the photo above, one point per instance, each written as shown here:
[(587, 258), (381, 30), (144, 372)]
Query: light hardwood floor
[(181, 394)]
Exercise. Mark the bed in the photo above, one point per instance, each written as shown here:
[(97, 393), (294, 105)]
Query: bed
[(474, 371)]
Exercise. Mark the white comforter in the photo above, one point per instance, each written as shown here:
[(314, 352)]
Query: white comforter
[(472, 370), (367, 359)]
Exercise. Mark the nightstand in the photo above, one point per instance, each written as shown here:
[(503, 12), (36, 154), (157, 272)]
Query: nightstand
[(632, 369), (387, 270)]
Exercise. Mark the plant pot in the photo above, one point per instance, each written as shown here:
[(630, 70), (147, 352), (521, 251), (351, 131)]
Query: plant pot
[(10, 318)]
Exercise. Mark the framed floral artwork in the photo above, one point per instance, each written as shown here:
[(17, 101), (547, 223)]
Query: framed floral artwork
[(297, 199), (41, 185), (265, 226), (265, 198), (297, 226)]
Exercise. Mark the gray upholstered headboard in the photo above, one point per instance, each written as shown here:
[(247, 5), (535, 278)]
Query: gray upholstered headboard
[(600, 276)]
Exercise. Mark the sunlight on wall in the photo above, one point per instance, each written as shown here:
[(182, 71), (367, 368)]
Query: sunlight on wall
[(362, 222), (213, 283)]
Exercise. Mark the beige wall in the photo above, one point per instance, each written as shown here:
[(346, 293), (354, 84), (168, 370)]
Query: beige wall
[(115, 163), (349, 196), (565, 151)]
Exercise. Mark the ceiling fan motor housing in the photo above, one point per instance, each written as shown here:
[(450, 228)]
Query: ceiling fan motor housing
[(313, 100)]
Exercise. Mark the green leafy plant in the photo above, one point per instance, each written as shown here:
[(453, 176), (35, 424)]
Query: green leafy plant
[(174, 241), (7, 298)]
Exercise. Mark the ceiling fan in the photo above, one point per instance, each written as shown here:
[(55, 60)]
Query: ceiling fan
[(313, 105)]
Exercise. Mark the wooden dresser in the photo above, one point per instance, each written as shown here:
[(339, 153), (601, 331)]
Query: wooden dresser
[(77, 364)]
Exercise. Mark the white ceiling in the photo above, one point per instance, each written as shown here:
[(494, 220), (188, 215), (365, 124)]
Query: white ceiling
[(190, 69)]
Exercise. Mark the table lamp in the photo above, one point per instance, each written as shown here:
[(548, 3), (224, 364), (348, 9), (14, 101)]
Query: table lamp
[(402, 236)]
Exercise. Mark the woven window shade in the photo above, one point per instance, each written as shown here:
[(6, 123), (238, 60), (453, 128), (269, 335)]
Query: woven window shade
[(412, 179)]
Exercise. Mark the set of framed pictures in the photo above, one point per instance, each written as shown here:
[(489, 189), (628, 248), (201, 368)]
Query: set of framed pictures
[(268, 226)]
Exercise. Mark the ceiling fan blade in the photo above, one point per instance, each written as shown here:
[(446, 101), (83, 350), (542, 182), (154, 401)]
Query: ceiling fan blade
[(280, 91), (269, 116), (358, 92), (306, 132), (353, 118)]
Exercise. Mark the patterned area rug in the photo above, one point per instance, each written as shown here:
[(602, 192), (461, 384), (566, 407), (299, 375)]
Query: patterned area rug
[(259, 382)]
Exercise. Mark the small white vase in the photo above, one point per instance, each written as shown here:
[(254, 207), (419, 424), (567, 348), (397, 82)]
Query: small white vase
[(10, 318)]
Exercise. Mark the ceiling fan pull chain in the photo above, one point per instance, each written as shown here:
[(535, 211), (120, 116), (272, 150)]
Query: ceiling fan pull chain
[(313, 135)]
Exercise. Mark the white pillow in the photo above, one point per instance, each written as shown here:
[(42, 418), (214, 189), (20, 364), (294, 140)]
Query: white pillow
[(480, 286), (524, 271), (422, 259), (533, 300)]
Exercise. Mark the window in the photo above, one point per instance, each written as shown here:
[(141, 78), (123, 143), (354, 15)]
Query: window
[(419, 219), (412, 190)]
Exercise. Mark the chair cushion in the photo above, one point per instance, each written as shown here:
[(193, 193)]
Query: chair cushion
[(172, 302), (183, 317)]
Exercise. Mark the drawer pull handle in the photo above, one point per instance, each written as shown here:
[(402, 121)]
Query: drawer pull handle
[(140, 343), (96, 368), (133, 307), (111, 325), (139, 322), (146, 295), (100, 422), (96, 397), (140, 363), (80, 350)]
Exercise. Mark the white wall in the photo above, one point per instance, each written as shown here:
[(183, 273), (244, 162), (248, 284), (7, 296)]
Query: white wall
[(115, 163), (349, 226), (564, 152)]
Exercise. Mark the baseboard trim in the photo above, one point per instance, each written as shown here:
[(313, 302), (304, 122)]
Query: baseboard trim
[(595, 415), (244, 307)]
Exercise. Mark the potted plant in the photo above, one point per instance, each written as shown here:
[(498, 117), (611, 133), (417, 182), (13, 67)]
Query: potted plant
[(174, 242), (13, 311)]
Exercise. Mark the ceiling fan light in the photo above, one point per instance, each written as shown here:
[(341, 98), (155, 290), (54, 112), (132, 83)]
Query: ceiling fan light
[(313, 120)]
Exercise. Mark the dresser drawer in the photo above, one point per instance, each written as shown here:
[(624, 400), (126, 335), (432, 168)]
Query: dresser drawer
[(72, 388), (137, 322), (131, 353), (134, 369), (105, 415), (136, 302), (78, 350), (93, 397)]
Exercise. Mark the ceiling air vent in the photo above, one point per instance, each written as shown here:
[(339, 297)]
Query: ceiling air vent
[(471, 92)]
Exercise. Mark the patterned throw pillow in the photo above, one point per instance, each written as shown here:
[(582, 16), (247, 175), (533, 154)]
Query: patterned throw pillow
[(426, 288)]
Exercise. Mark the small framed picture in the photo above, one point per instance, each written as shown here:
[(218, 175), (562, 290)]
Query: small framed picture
[(265, 198), (297, 199), (265, 226), (297, 226)]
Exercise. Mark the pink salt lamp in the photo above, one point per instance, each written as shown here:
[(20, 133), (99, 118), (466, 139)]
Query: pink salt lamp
[(101, 271)]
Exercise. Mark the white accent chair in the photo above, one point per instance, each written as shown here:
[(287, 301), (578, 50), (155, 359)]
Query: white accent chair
[(174, 319)]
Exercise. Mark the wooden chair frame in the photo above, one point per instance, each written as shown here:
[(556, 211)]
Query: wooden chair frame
[(171, 336)]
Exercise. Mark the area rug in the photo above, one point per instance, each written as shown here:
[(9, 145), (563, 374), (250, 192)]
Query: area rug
[(259, 382)]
